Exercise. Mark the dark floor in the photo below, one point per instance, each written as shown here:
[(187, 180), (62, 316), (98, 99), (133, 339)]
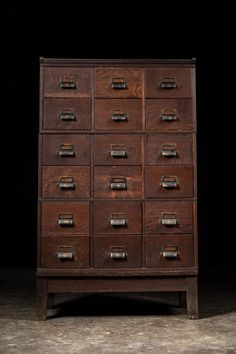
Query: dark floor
[(145, 323)]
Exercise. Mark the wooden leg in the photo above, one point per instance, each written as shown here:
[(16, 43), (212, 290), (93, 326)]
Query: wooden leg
[(42, 298), (182, 299), (192, 298)]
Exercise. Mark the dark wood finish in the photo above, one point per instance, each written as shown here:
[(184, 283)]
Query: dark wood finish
[(157, 211), (105, 211), (158, 147), (104, 246), (117, 178), (103, 177), (79, 108), (105, 145), (183, 107), (105, 108), (77, 148), (156, 175), (52, 212), (53, 175), (181, 77), (81, 77), (155, 258), (53, 246), (132, 78)]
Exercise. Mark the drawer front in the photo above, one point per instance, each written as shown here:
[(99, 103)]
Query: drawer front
[(169, 251), (117, 217), (168, 82), (119, 82), (67, 82), (169, 114), (64, 113), (66, 149), (169, 182), (117, 149), (118, 114), (64, 252), (169, 149), (65, 218), (117, 251), (66, 182), (117, 182), (168, 217)]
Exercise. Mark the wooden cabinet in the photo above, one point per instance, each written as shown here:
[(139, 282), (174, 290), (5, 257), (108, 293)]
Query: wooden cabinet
[(117, 178)]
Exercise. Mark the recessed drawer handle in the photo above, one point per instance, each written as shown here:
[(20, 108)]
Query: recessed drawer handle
[(169, 219), (169, 115), (169, 182), (66, 220), (68, 83), (119, 117), (168, 83), (169, 151), (67, 183), (64, 255), (68, 116), (66, 151), (118, 183), (118, 222), (118, 153), (118, 255), (118, 83), (170, 252)]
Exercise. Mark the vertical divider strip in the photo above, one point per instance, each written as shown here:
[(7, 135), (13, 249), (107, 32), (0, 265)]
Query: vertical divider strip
[(143, 166), (92, 171)]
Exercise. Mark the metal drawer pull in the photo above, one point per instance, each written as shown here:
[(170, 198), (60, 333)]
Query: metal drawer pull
[(169, 182), (118, 219), (64, 255), (66, 150), (66, 220), (119, 117), (118, 255), (169, 115), (118, 150), (170, 252), (168, 83), (68, 83), (66, 182), (169, 151), (118, 183), (118, 83), (168, 219), (68, 114)]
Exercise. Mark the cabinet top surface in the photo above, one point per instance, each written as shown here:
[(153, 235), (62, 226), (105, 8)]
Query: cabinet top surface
[(104, 62)]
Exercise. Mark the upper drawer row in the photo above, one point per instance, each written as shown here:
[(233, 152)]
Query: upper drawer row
[(118, 82)]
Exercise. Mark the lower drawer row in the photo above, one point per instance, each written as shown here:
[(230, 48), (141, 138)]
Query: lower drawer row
[(117, 252), (117, 217)]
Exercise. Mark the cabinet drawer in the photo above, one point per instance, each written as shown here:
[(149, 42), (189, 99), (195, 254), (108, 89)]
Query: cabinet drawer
[(169, 251), (117, 251), (64, 252), (67, 82), (66, 182), (118, 114), (169, 182), (117, 182), (65, 218), (169, 149), (117, 217), (169, 114), (168, 82), (119, 82), (64, 113), (169, 217), (65, 149), (113, 149)]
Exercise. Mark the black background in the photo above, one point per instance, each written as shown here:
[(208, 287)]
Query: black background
[(113, 30)]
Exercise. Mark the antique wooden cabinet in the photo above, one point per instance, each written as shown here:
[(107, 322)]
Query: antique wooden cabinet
[(117, 178)]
